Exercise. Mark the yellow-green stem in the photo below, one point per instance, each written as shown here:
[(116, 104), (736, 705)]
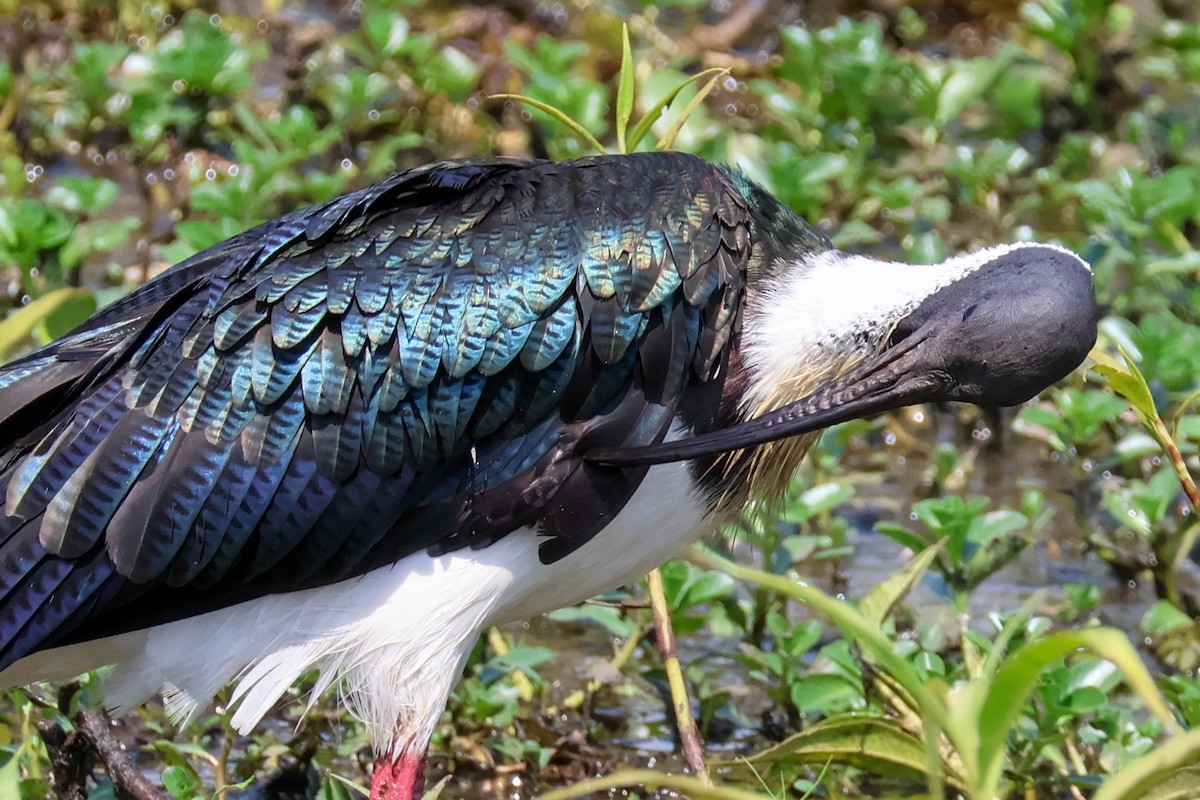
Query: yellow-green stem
[(689, 734)]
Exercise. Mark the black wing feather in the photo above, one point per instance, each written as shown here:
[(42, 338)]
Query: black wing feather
[(415, 366)]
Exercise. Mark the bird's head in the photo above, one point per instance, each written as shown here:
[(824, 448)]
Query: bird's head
[(833, 337)]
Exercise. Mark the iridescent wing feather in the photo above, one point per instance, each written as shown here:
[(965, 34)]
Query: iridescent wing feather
[(415, 366)]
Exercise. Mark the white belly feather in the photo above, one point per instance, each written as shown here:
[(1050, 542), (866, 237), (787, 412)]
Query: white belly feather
[(397, 636)]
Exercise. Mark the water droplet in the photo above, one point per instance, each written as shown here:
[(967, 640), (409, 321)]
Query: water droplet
[(263, 25), (347, 163), (918, 416), (179, 86), (168, 174), (210, 174), (373, 115), (234, 169), (151, 179), (214, 20)]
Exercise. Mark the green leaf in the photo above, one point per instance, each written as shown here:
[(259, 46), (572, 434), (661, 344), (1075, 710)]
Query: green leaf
[(180, 781), (1168, 772), (1163, 617), (608, 617), (453, 72), (825, 693), (964, 84), (879, 602), (335, 787), (624, 90), (1127, 380), (386, 30), (438, 788), (868, 635), (877, 744), (902, 535), (1016, 678)]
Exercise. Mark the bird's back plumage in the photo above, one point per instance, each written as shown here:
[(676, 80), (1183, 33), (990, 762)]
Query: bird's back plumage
[(416, 366)]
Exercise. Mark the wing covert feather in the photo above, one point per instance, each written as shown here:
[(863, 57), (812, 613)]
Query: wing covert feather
[(413, 366)]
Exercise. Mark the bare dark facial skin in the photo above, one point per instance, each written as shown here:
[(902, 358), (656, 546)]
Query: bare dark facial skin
[(997, 337)]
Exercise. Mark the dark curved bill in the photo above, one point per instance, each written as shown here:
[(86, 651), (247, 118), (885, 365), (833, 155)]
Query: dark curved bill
[(889, 380)]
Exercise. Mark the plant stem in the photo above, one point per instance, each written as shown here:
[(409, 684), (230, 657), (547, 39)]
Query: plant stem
[(689, 734)]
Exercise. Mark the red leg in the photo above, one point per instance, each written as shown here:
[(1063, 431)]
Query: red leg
[(401, 778)]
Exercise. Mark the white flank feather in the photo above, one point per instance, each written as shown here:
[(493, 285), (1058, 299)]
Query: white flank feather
[(394, 640)]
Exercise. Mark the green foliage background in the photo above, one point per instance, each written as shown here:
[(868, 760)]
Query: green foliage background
[(133, 134)]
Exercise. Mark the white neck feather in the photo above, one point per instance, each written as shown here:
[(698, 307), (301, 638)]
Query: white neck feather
[(827, 311)]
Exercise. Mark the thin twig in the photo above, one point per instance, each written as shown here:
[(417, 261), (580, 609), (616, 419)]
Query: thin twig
[(95, 726), (70, 761)]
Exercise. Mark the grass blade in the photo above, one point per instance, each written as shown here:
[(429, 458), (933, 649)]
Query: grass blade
[(574, 126), (1017, 677), (644, 124), (20, 324), (668, 139), (867, 634), (651, 780), (624, 90), (878, 744), (879, 602)]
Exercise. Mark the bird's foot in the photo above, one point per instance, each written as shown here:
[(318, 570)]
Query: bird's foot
[(399, 778)]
